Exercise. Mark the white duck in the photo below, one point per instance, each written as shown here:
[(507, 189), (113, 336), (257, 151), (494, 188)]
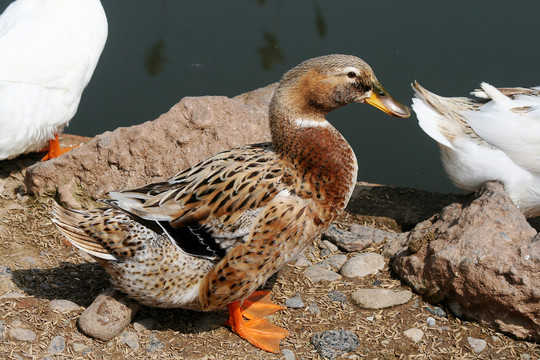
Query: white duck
[(48, 52), (496, 137)]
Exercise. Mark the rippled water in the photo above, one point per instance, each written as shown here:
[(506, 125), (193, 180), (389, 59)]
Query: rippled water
[(161, 50)]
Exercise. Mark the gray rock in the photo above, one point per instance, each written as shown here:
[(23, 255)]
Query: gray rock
[(57, 345), (337, 296), (478, 345), (13, 295), (346, 240), (327, 244), (330, 344), (154, 344), (414, 334), (131, 339), (302, 260), (108, 315), (482, 258), (22, 334), (145, 324), (360, 237), (295, 302), (380, 298), (5, 270), (334, 262), (318, 273), (313, 308), (2, 330), (435, 310), (288, 354), (362, 265), (79, 347), (63, 305), (430, 321)]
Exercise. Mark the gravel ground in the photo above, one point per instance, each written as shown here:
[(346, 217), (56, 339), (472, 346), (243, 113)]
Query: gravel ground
[(37, 267)]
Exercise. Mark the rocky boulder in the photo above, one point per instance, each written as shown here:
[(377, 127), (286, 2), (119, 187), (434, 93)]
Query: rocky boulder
[(191, 131), (481, 258)]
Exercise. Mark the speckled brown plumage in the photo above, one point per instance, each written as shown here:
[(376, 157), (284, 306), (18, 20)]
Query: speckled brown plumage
[(211, 235)]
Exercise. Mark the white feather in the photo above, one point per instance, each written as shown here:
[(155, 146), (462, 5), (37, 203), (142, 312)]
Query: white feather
[(504, 144), (48, 52)]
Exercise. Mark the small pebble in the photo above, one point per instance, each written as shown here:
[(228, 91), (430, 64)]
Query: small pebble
[(154, 344), (333, 343), (145, 324), (2, 330), (295, 302), (380, 298), (63, 305), (318, 274), (313, 308), (430, 321), (79, 347), (327, 244), (23, 334), (5, 270), (414, 334), (326, 252), (57, 345), (288, 354), (435, 310), (131, 339), (302, 260), (363, 265), (478, 345), (337, 296), (370, 318), (13, 295), (334, 262)]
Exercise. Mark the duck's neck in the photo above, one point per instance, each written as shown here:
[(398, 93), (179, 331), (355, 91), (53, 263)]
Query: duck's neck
[(323, 162)]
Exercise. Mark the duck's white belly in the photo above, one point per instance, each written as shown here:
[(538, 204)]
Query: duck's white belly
[(30, 115)]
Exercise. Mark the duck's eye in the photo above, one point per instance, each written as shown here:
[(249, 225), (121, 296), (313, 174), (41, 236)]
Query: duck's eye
[(351, 74)]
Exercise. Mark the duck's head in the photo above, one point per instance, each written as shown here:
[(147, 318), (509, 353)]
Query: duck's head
[(319, 85)]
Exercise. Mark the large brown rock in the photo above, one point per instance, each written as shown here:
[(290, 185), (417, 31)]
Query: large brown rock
[(481, 258), (192, 130)]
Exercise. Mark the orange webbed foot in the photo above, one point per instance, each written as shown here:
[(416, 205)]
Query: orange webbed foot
[(258, 331), (55, 150)]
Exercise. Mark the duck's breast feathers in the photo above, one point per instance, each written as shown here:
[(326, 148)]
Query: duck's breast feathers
[(223, 187)]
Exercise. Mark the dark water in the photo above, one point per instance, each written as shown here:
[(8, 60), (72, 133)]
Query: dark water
[(159, 51)]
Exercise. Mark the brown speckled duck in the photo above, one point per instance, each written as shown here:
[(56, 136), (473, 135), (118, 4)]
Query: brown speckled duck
[(208, 237)]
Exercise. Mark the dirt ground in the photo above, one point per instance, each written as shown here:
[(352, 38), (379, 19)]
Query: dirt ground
[(44, 268)]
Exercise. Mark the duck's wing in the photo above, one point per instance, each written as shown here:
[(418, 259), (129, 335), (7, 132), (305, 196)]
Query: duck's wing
[(284, 228), (510, 121), (205, 206)]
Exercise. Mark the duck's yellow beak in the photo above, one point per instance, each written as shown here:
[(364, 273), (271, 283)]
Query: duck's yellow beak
[(381, 100)]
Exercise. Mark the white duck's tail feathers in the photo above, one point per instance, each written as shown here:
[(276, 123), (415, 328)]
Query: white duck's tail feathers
[(67, 221), (442, 117), (510, 92)]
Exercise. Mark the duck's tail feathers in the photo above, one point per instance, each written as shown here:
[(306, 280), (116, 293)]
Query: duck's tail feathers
[(67, 221), (442, 117)]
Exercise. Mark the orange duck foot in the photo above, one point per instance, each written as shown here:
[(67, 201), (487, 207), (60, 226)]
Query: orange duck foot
[(258, 331), (55, 150)]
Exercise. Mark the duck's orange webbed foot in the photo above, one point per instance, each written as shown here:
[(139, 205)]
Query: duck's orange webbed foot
[(55, 150), (257, 330)]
